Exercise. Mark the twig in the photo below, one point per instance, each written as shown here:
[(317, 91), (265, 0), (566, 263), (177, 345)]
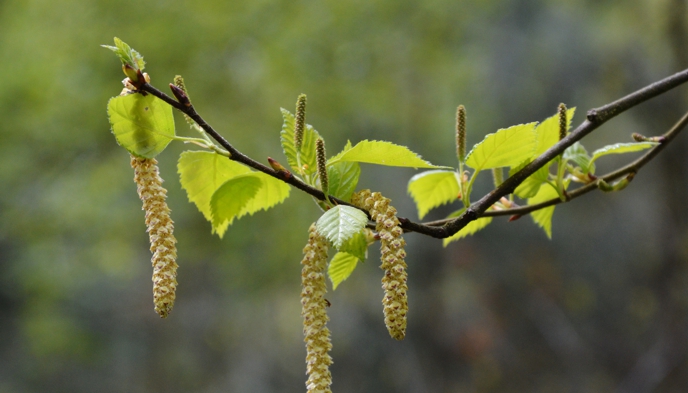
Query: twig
[(445, 228)]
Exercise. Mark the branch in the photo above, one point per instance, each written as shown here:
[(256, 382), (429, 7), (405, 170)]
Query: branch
[(442, 229)]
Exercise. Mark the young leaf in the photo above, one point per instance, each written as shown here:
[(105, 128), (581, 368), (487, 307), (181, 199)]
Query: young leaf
[(272, 193), (341, 267), (143, 125), (310, 135), (543, 217), (356, 246), (505, 148), (231, 199), (620, 148), (579, 155), (532, 184), (433, 188), (472, 227), (343, 178), (382, 153), (340, 223), (548, 131), (127, 55)]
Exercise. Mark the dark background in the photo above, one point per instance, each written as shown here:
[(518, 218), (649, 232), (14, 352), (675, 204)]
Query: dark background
[(602, 307)]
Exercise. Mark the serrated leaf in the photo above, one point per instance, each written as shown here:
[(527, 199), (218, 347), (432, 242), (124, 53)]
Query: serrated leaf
[(357, 246), (580, 156), (231, 199), (340, 223), (547, 132), (470, 229), (343, 178), (201, 173), (310, 135), (543, 217), (143, 125), (432, 189), (341, 267), (127, 55), (505, 148), (532, 184), (621, 148), (382, 153)]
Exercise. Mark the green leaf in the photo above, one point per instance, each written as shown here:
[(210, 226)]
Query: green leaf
[(127, 55), (532, 184), (341, 267), (543, 217), (356, 246), (340, 223), (343, 178), (620, 148), (382, 153), (202, 173), (310, 135), (505, 148), (580, 156), (143, 125), (231, 199), (433, 188), (548, 131), (472, 227)]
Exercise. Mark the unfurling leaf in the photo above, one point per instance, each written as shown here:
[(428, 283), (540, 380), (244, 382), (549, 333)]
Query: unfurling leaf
[(127, 55), (432, 189), (340, 223), (341, 267), (143, 125), (310, 135), (470, 229), (580, 156), (356, 246), (382, 153), (505, 148), (620, 148)]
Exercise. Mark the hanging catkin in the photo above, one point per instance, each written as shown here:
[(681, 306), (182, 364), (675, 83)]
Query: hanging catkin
[(313, 310), (392, 252), (160, 228)]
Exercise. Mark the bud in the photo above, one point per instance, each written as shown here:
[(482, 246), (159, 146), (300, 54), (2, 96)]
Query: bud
[(299, 121), (461, 132), (279, 168), (314, 313), (160, 228)]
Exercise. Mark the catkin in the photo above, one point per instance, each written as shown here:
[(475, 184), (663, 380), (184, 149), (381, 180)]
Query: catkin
[(160, 228), (313, 310), (392, 252)]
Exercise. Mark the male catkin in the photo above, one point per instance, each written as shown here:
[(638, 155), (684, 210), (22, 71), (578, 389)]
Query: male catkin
[(313, 310), (160, 228), (392, 252)]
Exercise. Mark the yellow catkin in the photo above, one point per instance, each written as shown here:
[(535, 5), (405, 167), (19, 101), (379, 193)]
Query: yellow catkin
[(392, 252), (160, 228), (313, 310)]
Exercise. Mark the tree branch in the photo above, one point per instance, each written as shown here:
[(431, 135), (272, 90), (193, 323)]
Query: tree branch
[(445, 228)]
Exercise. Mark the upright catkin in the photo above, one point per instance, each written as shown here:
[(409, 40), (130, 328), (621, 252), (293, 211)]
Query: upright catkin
[(160, 228), (392, 252), (313, 310)]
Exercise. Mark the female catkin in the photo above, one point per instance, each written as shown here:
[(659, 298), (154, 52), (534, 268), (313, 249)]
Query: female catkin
[(160, 228), (392, 252), (313, 310)]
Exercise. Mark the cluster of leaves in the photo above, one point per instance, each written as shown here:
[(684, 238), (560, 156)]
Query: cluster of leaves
[(513, 148)]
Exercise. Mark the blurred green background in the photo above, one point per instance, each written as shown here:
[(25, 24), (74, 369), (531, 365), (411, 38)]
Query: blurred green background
[(602, 307)]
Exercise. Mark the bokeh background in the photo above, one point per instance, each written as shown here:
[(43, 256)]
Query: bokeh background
[(602, 307)]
